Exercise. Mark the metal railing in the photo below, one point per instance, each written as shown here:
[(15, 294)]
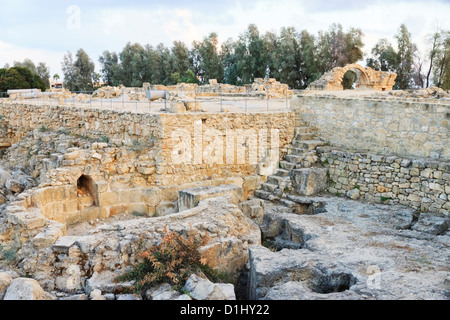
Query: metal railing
[(140, 101)]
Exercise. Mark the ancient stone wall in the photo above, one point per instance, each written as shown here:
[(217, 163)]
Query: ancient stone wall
[(143, 164), (122, 126), (212, 146), (418, 183), (413, 127)]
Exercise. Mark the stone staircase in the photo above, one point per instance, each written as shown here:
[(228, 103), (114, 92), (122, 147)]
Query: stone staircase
[(301, 154)]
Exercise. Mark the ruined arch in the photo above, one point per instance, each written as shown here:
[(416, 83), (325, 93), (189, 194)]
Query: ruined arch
[(367, 78), (362, 78)]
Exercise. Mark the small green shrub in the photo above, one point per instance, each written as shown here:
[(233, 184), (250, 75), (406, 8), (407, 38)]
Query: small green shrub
[(384, 199), (105, 139), (43, 129), (173, 261)]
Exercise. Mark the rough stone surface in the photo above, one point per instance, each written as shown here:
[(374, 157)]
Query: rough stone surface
[(5, 281), (352, 251), (310, 181), (202, 289), (26, 289)]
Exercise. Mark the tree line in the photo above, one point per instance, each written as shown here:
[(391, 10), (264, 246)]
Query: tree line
[(294, 57), (25, 75)]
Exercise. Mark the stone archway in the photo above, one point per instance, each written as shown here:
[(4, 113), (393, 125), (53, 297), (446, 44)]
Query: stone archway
[(367, 78), (362, 78), (87, 196)]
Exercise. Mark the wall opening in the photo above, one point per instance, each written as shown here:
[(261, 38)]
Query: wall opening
[(349, 80), (86, 192)]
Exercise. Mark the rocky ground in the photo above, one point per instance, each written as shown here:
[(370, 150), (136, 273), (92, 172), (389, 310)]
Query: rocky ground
[(351, 251)]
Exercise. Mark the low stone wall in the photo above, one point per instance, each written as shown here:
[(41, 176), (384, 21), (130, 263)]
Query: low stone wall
[(95, 123), (413, 127), (418, 183)]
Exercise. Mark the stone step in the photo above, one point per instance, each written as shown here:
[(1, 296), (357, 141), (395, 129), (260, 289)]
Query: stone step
[(300, 151), (292, 158), (305, 136), (286, 165), (299, 130), (276, 180), (262, 194), (308, 144), (288, 203), (281, 173), (269, 187)]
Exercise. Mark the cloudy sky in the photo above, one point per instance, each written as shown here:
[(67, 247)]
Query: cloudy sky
[(44, 30)]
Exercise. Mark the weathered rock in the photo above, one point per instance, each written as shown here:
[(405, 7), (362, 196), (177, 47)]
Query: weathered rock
[(164, 292), (310, 181), (26, 289), (331, 265), (177, 107), (14, 185), (132, 297), (49, 235), (190, 198), (4, 176), (431, 224), (31, 219), (77, 297), (5, 281), (105, 283), (253, 209), (354, 194), (203, 289), (96, 295)]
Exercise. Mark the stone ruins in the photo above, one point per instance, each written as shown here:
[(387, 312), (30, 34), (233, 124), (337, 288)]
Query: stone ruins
[(366, 78), (342, 197)]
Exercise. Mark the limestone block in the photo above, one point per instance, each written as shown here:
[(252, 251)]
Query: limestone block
[(166, 208), (138, 209), (177, 107), (189, 198), (63, 244), (51, 233), (151, 197), (70, 280), (5, 281), (105, 283), (31, 219), (253, 209), (26, 289), (193, 106), (310, 181), (203, 289), (108, 198)]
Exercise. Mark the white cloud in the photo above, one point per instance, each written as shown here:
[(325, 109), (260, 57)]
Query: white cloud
[(10, 53), (111, 27)]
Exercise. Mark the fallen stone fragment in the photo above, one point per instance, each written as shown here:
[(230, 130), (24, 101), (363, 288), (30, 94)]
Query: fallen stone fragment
[(26, 289)]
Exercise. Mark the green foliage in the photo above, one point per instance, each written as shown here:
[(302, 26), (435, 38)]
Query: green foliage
[(349, 80), (385, 199), (19, 78), (105, 139), (43, 129), (79, 75), (294, 58), (173, 261)]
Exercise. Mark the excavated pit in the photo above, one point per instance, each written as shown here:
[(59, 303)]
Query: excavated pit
[(331, 283)]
